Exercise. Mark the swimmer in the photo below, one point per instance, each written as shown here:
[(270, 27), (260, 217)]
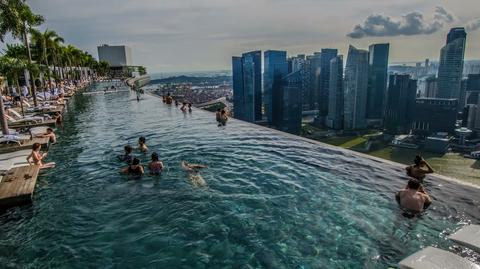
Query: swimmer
[(135, 168), (127, 156), (168, 99), (419, 169), (193, 173), (218, 115), (412, 199), (155, 166), (184, 107), (142, 146), (37, 157), (52, 138), (223, 118)]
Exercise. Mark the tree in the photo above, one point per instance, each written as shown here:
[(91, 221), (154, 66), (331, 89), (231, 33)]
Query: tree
[(142, 70)]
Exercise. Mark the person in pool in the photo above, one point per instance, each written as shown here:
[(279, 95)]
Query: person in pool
[(135, 168), (168, 99), (419, 169), (184, 107), (37, 157), (223, 118), (52, 138), (190, 107), (218, 115), (176, 103), (142, 146), (193, 173), (412, 199), (155, 166), (127, 156)]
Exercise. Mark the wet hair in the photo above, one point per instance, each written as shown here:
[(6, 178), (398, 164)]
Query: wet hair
[(154, 157), (36, 146), (417, 160), (135, 161), (128, 149), (142, 140), (413, 184), (49, 129)]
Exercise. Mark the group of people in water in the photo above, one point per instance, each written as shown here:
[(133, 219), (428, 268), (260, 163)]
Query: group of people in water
[(156, 166), (414, 198)]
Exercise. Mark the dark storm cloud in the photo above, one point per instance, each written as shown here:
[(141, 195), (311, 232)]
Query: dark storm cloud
[(412, 23)]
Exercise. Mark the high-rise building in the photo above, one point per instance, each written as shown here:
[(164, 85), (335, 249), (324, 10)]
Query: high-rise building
[(377, 79), (115, 56), (300, 63), (326, 56), (288, 113), (275, 68), (434, 115), (248, 70), (399, 104), (450, 70), (311, 81), (473, 88), (356, 82), (335, 96), (430, 87)]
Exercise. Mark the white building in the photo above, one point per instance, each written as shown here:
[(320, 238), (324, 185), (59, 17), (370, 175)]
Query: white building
[(116, 56)]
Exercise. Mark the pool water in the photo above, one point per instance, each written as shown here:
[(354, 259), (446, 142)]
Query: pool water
[(272, 201)]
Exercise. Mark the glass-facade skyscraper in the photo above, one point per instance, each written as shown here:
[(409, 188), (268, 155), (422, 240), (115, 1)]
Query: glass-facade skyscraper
[(377, 79), (335, 96), (356, 83), (275, 68), (325, 57), (289, 110), (450, 70), (400, 103), (247, 86)]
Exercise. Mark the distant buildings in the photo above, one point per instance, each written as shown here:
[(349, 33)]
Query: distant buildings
[(118, 57), (247, 86), (289, 104), (431, 87), (311, 81), (335, 94), (473, 89), (377, 79), (400, 103), (326, 56), (356, 83), (450, 70), (433, 115), (275, 68)]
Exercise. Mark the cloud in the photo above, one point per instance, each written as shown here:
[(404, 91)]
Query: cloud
[(473, 25), (412, 23)]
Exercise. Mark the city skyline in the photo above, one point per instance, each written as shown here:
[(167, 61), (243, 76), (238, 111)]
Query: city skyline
[(202, 35)]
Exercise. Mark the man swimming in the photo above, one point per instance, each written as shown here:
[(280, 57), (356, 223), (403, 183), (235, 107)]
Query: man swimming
[(412, 199), (193, 173), (127, 156), (135, 168)]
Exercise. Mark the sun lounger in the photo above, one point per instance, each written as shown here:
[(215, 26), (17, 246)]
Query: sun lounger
[(15, 154), (20, 117), (434, 258), (468, 236)]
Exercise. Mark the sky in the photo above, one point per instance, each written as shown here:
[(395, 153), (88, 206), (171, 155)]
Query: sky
[(201, 35)]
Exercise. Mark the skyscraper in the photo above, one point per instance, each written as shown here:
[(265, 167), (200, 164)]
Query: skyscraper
[(400, 101), (312, 81), (335, 96), (248, 70), (325, 57), (431, 87), (356, 82), (275, 68), (288, 112), (434, 115), (450, 69), (377, 79)]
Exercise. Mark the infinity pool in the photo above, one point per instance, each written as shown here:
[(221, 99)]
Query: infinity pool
[(272, 201)]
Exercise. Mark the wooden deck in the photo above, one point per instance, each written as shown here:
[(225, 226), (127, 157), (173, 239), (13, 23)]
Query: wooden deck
[(26, 144), (18, 185), (50, 123)]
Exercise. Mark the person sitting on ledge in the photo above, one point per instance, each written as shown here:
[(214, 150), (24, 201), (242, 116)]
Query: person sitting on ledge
[(155, 166), (412, 199), (127, 156), (419, 169), (134, 169), (37, 157), (142, 146), (52, 138)]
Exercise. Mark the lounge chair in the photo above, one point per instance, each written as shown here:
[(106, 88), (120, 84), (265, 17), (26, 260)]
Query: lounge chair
[(468, 236), (20, 117), (434, 258)]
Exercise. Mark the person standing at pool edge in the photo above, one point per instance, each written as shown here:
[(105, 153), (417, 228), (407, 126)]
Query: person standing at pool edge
[(412, 199)]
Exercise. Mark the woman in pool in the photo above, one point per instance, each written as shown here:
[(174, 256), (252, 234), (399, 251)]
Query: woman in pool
[(142, 146), (37, 157), (155, 166), (419, 169), (135, 168)]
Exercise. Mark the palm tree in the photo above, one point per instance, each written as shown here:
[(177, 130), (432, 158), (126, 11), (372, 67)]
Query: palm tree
[(45, 45)]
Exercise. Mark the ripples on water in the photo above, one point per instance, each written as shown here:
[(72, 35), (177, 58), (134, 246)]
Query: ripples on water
[(272, 201)]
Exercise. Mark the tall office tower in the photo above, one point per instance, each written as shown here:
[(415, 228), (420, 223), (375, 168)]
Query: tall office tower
[(473, 88), (248, 70), (431, 87), (377, 79), (299, 63), (469, 116), (399, 104), (450, 70), (326, 56), (312, 81), (434, 115), (427, 66), (275, 68), (335, 94), (356, 83), (287, 112)]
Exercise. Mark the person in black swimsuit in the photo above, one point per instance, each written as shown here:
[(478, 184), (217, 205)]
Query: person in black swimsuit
[(135, 168)]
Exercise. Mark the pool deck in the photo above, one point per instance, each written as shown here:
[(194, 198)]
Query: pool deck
[(18, 185), (26, 144)]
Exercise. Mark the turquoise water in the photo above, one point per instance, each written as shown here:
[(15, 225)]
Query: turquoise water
[(272, 201)]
